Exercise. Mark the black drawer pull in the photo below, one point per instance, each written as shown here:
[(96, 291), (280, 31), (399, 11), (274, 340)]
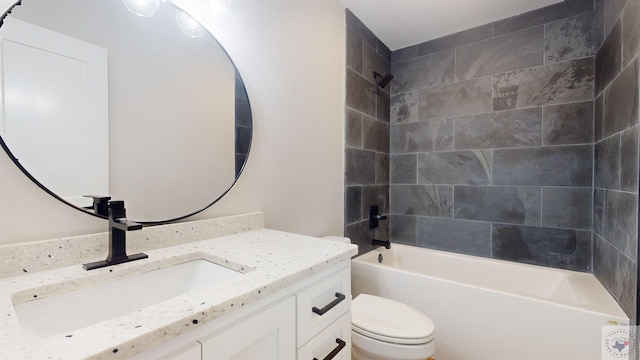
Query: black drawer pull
[(332, 354), (339, 298)]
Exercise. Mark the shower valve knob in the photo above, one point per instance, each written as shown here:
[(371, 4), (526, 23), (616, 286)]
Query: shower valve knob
[(374, 217)]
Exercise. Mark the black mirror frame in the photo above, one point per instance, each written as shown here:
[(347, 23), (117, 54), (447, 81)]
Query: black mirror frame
[(244, 116)]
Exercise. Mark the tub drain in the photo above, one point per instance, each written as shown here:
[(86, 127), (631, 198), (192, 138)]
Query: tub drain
[(380, 258)]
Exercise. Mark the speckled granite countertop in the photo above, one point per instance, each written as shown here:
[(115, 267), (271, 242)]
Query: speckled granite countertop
[(271, 260)]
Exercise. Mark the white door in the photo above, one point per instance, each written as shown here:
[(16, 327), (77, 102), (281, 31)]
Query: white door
[(54, 109)]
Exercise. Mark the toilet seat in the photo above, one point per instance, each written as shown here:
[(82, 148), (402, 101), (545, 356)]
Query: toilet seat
[(390, 321)]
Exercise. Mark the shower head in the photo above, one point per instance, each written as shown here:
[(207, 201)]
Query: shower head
[(382, 81)]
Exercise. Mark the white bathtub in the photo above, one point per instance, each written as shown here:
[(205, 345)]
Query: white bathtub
[(486, 309)]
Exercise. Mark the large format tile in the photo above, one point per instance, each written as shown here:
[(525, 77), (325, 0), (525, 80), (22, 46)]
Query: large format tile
[(382, 168), (353, 128), (455, 168), (375, 135), (567, 124), (424, 136), (598, 211), (460, 38), (354, 51), (360, 29), (423, 72), (606, 173), (561, 10), (612, 11), (609, 58), (630, 32), (505, 204), (513, 128), (621, 100), (372, 61), (629, 160), (360, 235), (570, 39), (383, 105), (404, 54), (548, 166), (599, 23), (359, 169), (544, 85), (425, 200), (559, 248), (353, 204), (463, 98), (628, 278), (566, 207), (404, 107), (403, 229), (361, 93), (605, 265), (621, 221), (375, 195), (461, 236), (514, 51), (598, 118), (404, 169)]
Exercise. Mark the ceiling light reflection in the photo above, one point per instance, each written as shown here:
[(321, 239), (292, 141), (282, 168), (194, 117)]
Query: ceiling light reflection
[(144, 8), (188, 25)]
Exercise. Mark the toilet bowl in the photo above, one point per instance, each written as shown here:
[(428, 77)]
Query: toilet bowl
[(384, 329)]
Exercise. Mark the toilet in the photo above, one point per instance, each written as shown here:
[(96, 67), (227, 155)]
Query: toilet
[(385, 329)]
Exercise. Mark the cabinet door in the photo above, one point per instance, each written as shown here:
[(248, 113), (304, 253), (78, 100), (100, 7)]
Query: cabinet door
[(268, 334)]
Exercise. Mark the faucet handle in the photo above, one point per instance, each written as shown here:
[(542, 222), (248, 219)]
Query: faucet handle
[(116, 204), (100, 204)]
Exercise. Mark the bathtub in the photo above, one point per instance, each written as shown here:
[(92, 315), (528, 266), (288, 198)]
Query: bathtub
[(486, 309)]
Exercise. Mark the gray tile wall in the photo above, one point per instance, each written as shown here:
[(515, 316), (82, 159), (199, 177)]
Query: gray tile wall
[(615, 196), (366, 133), (492, 140)]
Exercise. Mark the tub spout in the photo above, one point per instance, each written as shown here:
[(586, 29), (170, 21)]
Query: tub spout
[(386, 244)]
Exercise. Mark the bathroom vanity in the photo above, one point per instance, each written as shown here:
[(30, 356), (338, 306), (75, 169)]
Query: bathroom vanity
[(269, 303)]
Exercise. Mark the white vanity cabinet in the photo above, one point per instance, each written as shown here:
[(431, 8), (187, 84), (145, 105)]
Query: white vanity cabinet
[(284, 326), (324, 318)]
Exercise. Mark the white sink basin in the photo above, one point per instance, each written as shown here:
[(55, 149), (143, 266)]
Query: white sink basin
[(73, 310)]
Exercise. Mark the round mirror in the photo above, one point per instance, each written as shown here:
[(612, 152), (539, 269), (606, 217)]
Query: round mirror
[(98, 100)]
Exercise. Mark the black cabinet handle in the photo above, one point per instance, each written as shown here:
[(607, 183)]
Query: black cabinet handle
[(339, 298), (332, 354)]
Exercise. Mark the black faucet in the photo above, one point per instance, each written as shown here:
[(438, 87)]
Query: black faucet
[(118, 227), (385, 243), (374, 217)]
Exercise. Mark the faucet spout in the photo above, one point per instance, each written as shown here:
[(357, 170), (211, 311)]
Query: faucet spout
[(385, 243), (118, 227), (125, 225)]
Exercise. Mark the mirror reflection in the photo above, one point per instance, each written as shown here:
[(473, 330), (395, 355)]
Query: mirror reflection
[(98, 100)]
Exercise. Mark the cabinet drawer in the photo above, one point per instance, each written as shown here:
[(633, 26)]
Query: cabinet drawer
[(329, 340), (330, 298)]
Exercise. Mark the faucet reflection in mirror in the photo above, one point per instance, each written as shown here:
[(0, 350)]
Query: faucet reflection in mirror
[(215, 12)]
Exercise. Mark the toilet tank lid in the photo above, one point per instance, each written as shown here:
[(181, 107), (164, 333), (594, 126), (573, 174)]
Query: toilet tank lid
[(390, 318)]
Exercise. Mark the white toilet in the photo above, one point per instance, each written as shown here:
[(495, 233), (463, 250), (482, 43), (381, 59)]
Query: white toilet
[(384, 329)]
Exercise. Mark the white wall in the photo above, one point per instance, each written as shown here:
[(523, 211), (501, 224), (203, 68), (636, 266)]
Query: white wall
[(291, 56)]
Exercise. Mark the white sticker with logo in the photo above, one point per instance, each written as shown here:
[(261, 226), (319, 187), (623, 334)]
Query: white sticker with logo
[(618, 342)]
